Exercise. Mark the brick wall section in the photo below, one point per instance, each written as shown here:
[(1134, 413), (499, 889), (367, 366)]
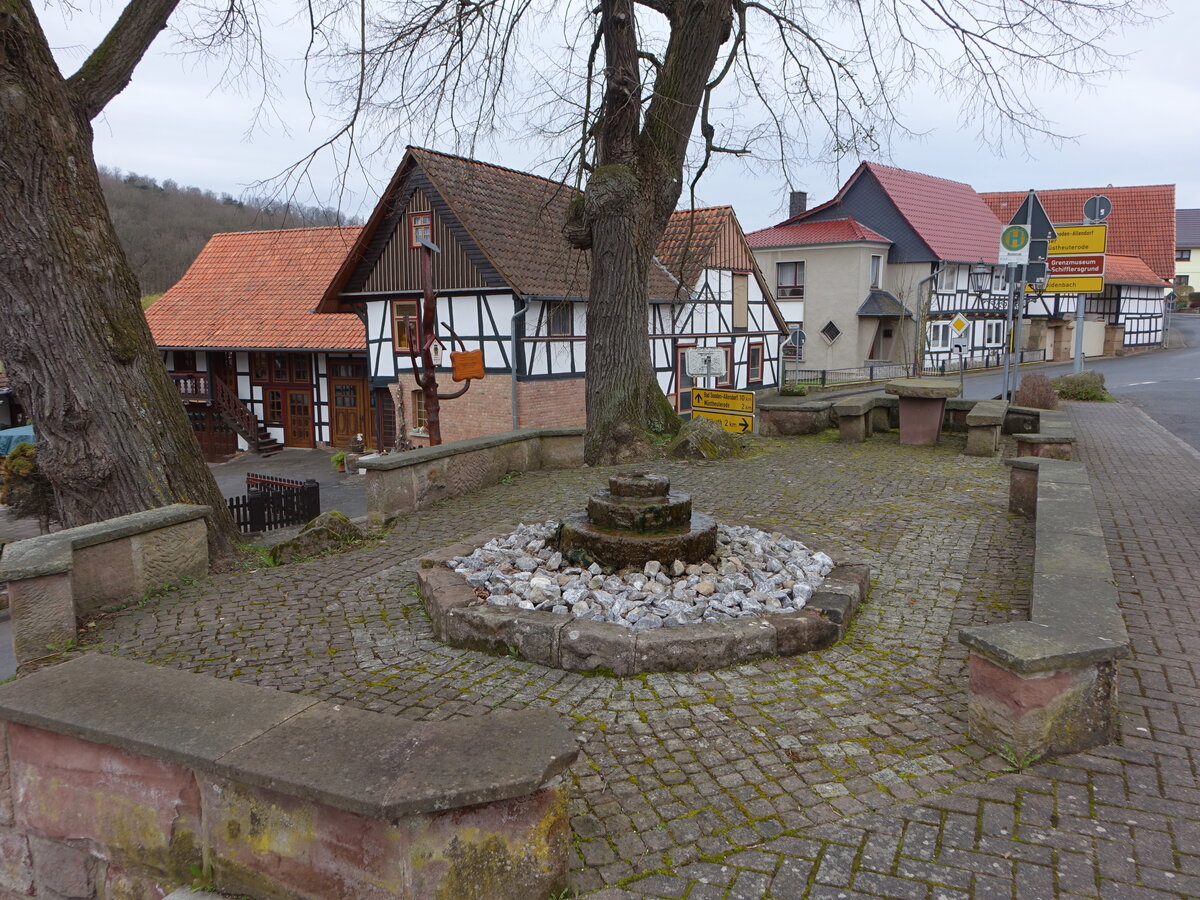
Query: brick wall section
[(487, 407), (555, 403)]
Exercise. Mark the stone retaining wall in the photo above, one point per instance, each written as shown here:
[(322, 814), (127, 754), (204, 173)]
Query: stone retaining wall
[(122, 780), (398, 483), (55, 580), (1049, 685), (581, 645)]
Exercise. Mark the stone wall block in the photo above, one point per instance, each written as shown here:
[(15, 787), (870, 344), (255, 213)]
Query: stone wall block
[(803, 632), (443, 590), (982, 440), (853, 429), (585, 646), (166, 556), (430, 484), (42, 612), (880, 419), (104, 574), (144, 811), (389, 491), (535, 635), (16, 863), (1045, 714), (561, 452), (1044, 449), (1022, 491), (480, 628), (64, 869), (121, 884), (466, 472), (272, 845)]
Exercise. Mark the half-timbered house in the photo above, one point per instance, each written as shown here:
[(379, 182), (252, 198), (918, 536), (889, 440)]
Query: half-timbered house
[(889, 254), (509, 284), (255, 368), (1141, 228)]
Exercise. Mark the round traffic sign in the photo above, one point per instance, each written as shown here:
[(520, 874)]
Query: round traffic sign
[(1015, 237), (1097, 208)]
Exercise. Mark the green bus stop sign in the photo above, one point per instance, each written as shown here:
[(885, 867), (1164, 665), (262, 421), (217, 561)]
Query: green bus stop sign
[(1014, 238)]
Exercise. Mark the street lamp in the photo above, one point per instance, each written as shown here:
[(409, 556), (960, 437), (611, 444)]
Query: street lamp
[(980, 278)]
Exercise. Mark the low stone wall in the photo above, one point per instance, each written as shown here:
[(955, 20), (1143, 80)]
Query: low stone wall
[(582, 645), (121, 779), (1054, 439), (398, 483), (55, 580), (1049, 685)]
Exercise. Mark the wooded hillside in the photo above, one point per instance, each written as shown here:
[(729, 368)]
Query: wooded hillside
[(163, 227)]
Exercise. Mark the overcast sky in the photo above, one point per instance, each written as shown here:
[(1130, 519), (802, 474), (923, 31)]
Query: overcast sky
[(1136, 127)]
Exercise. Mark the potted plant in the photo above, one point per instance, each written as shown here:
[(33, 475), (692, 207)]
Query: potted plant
[(338, 461)]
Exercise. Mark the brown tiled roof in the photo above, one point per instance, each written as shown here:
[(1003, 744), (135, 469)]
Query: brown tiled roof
[(1142, 222), (1129, 270), (257, 290), (516, 220), (828, 231), (690, 239)]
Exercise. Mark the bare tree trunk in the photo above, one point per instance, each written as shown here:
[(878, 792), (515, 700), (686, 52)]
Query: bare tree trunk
[(629, 198), (113, 435)]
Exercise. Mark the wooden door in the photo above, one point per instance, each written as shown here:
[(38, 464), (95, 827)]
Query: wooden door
[(298, 419), (683, 381), (351, 410)]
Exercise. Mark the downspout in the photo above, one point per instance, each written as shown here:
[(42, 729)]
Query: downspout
[(517, 316)]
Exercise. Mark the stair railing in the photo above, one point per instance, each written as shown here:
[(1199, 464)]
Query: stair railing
[(230, 405)]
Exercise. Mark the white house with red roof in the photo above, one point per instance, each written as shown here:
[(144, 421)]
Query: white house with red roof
[(889, 254), (255, 368)]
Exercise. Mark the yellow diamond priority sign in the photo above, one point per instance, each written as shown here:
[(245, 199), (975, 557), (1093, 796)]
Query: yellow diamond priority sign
[(959, 323)]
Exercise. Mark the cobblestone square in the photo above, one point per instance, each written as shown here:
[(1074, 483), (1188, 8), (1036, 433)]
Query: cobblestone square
[(843, 773)]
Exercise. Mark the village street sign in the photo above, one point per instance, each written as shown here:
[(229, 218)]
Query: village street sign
[(738, 424), (1071, 266), (1074, 239), (732, 410), (1076, 259)]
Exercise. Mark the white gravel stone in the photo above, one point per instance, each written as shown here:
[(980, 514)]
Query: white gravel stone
[(751, 572)]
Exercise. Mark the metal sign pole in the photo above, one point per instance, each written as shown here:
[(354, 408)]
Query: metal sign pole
[(1010, 275)]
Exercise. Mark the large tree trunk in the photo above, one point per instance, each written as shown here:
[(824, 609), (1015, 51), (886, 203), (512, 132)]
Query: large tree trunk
[(628, 200), (113, 434)]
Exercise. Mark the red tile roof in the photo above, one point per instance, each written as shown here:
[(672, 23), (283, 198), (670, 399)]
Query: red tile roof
[(690, 239), (1187, 228), (1129, 270), (829, 231), (257, 290), (948, 215), (1142, 222)]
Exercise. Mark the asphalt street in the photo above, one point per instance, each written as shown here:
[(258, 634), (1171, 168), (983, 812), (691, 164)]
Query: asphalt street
[(1164, 383)]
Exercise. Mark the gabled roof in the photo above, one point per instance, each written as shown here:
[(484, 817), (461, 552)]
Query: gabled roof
[(1129, 270), (827, 231), (1142, 222), (256, 289), (513, 218), (948, 216), (1187, 228), (882, 303)]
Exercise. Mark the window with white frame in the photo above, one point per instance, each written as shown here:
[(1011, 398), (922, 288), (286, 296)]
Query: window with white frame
[(789, 280), (876, 270), (948, 278), (939, 336), (993, 334)]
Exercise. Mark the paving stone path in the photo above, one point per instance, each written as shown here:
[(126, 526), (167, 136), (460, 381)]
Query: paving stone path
[(841, 774)]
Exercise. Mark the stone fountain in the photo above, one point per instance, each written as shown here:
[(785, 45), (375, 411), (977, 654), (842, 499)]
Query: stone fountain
[(638, 519)]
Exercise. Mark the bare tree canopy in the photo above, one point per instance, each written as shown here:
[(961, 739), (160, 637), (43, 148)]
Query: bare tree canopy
[(637, 96)]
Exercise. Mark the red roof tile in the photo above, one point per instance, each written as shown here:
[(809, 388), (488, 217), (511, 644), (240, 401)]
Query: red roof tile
[(829, 231), (1129, 270), (1142, 222), (948, 215), (690, 239), (258, 290)]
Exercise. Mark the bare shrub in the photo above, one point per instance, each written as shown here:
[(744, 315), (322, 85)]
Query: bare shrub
[(1036, 392)]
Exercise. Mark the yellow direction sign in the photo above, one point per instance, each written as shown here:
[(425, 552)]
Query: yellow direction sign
[(1073, 239), (734, 422), (1084, 284), (724, 401)]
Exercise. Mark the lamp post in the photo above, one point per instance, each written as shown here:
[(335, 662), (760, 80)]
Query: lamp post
[(979, 280)]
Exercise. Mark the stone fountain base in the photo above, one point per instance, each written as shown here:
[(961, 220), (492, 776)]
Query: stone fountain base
[(618, 548)]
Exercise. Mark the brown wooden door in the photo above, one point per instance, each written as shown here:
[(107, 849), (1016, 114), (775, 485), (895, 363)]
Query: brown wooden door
[(297, 419), (351, 410)]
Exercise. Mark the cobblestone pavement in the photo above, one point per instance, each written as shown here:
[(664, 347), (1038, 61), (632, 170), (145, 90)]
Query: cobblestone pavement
[(843, 774)]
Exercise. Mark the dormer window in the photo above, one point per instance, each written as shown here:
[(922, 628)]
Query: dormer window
[(420, 225)]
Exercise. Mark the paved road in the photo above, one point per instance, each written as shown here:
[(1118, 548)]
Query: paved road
[(345, 493), (1165, 383)]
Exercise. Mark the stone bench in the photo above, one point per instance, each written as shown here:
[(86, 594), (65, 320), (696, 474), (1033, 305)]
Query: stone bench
[(861, 415), (778, 415), (55, 580), (124, 779), (399, 483), (1054, 438), (984, 423), (1049, 685)]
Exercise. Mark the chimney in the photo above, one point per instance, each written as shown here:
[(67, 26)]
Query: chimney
[(798, 203)]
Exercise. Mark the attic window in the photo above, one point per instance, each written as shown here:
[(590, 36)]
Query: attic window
[(420, 225), (561, 319), (831, 332)]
